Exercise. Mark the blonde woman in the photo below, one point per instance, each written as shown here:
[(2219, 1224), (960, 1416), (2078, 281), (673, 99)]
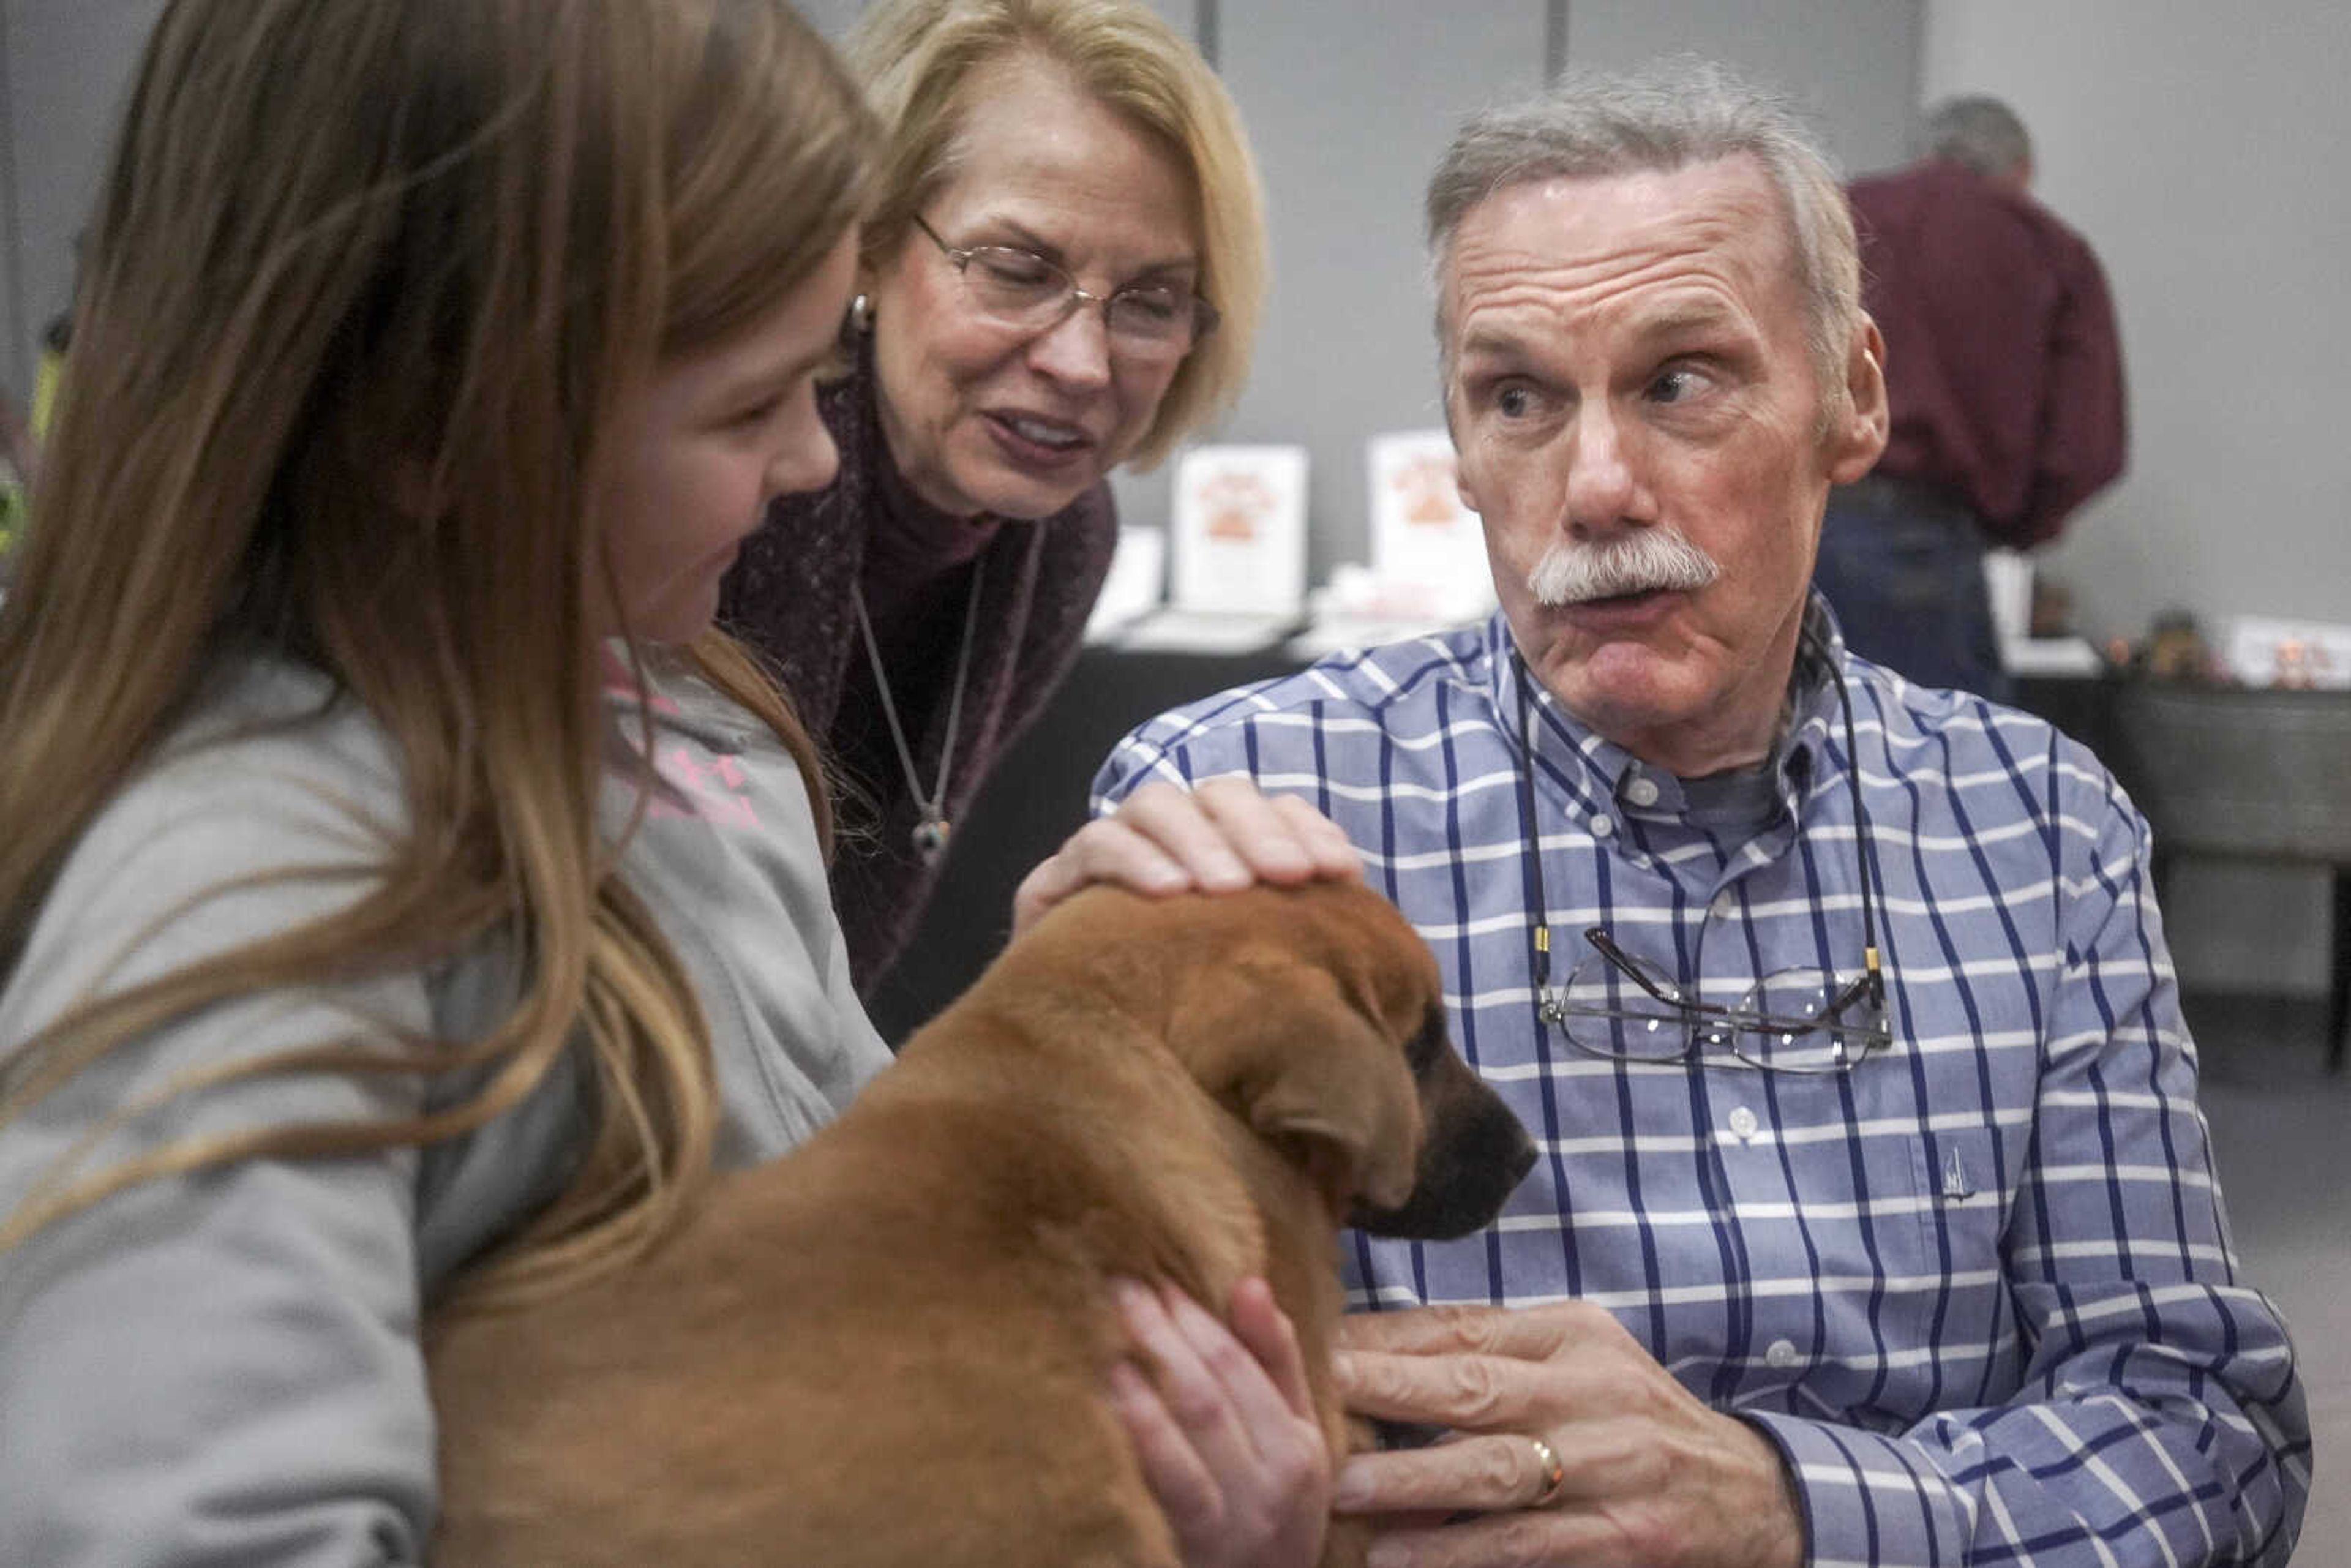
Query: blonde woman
[(1062, 274), (404, 893)]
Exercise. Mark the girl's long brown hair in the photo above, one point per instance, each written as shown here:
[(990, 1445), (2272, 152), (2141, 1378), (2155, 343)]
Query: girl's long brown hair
[(366, 280)]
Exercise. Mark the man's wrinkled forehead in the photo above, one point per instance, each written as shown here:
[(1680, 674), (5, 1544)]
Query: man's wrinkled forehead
[(1590, 232), (1491, 341)]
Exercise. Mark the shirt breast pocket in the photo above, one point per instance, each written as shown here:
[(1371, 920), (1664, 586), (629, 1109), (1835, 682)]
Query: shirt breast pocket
[(1952, 1303)]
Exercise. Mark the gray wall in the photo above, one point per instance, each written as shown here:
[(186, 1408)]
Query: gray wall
[(65, 68), (2201, 150)]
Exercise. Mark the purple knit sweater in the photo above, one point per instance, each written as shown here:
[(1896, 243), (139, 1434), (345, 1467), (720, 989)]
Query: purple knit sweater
[(789, 597)]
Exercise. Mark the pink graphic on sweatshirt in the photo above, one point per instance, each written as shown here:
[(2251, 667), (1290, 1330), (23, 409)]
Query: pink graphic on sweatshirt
[(712, 787)]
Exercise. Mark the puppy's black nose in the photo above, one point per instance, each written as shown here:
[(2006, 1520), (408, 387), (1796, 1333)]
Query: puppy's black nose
[(1523, 1158), (1475, 1155)]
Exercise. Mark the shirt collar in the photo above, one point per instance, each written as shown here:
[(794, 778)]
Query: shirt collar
[(1602, 771)]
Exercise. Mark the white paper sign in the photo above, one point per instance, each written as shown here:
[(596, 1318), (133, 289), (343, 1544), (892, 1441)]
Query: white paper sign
[(1241, 529), (1426, 547), (2262, 651), (2008, 578)]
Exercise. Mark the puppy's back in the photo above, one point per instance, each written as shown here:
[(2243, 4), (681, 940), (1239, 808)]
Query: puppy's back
[(887, 1348)]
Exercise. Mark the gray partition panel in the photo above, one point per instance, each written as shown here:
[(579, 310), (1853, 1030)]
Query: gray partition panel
[(69, 65), (1851, 64), (1349, 107)]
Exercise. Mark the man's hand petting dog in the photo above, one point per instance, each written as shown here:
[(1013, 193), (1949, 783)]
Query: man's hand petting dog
[(1219, 838)]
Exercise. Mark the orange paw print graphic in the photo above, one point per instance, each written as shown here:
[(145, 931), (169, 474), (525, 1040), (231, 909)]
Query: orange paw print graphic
[(1236, 506), (1425, 484)]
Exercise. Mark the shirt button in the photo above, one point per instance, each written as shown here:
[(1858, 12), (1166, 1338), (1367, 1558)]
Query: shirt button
[(1781, 1353), (1602, 825), (1743, 1124), (1642, 791)]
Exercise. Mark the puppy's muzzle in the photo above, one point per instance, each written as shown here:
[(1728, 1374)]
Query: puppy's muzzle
[(1473, 1155)]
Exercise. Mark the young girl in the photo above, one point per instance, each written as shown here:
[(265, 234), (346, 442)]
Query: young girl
[(404, 891)]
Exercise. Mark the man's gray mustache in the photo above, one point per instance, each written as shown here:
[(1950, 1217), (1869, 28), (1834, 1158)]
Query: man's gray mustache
[(1642, 561)]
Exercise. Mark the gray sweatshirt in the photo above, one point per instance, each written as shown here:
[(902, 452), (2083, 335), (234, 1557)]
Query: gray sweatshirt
[(222, 1368)]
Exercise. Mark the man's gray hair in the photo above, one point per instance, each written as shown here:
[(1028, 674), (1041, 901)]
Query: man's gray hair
[(1666, 117), (1978, 132)]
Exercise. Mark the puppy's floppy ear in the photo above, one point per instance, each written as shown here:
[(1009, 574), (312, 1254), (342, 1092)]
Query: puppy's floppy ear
[(1274, 1041)]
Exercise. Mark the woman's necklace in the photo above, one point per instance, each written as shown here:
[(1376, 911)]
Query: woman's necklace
[(930, 834)]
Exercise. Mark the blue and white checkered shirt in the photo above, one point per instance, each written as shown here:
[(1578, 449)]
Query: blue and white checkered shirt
[(1979, 1290)]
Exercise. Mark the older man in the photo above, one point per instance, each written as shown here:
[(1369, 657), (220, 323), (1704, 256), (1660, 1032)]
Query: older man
[(1877, 1223)]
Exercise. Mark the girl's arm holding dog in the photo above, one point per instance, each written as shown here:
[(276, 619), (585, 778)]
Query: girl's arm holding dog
[(1229, 1439)]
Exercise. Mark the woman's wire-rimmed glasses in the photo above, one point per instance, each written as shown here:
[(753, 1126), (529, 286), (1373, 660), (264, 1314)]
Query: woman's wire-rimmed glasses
[(1021, 289), (1623, 1007)]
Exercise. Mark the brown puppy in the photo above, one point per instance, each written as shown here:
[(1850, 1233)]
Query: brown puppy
[(891, 1346)]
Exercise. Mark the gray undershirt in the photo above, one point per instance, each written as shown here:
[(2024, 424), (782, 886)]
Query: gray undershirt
[(1734, 804)]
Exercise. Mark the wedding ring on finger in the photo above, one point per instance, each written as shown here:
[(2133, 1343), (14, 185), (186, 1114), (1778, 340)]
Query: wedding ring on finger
[(1554, 1473)]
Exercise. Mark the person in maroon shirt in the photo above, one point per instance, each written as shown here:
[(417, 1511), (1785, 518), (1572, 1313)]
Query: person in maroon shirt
[(2005, 380)]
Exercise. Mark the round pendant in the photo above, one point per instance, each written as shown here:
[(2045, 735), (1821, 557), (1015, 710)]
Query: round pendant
[(930, 838)]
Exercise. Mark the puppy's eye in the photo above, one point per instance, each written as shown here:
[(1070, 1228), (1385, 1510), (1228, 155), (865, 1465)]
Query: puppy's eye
[(1427, 1046)]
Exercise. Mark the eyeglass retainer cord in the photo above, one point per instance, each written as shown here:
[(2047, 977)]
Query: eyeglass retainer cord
[(1872, 974)]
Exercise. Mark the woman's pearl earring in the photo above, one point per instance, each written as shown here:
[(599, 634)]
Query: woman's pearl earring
[(860, 314)]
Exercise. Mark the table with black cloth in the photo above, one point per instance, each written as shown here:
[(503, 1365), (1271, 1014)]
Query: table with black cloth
[(2245, 774), (1037, 797), (1035, 800)]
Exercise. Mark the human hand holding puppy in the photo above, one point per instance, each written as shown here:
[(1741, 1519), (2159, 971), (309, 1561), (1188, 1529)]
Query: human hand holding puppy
[(1232, 1449), (1572, 1445)]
